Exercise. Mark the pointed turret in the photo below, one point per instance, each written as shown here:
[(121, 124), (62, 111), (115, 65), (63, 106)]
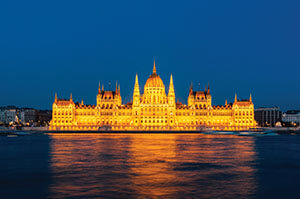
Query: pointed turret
[(102, 87), (82, 102), (55, 98), (154, 68), (250, 98), (208, 89), (99, 90), (116, 87), (191, 89), (226, 102), (136, 86), (136, 79), (171, 86), (136, 92), (99, 96), (71, 98), (191, 97), (171, 93), (235, 98)]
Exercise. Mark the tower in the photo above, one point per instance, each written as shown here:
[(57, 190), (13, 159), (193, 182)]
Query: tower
[(171, 94), (99, 90), (208, 96), (99, 95), (55, 99), (118, 99), (191, 98), (208, 89), (171, 102), (136, 92)]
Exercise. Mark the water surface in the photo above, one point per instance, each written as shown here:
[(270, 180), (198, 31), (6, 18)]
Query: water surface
[(149, 166)]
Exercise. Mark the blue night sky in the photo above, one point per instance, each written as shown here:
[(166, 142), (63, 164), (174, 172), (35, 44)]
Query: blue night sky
[(68, 46)]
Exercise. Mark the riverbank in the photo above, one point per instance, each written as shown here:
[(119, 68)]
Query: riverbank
[(259, 131), (283, 130)]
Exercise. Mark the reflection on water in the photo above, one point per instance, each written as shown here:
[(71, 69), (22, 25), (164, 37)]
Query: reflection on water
[(152, 166)]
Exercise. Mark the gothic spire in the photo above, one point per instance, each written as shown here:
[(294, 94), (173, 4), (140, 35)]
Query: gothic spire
[(171, 79), (55, 99), (154, 68), (136, 86), (171, 86), (71, 98), (250, 98), (116, 87), (136, 79), (208, 89), (99, 90), (191, 88), (235, 98)]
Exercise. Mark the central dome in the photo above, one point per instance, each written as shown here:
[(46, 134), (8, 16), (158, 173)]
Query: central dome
[(154, 80)]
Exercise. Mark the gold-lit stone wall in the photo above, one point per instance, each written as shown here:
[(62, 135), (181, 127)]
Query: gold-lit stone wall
[(154, 110)]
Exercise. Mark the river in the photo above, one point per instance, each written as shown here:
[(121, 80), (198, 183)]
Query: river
[(149, 166)]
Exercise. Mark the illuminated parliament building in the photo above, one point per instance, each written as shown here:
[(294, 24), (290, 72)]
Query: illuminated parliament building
[(154, 110)]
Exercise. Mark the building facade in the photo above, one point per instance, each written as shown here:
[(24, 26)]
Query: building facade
[(292, 116), (154, 110), (267, 116), (28, 115), (11, 115)]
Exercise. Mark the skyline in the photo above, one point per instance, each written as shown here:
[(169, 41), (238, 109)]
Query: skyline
[(236, 47)]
